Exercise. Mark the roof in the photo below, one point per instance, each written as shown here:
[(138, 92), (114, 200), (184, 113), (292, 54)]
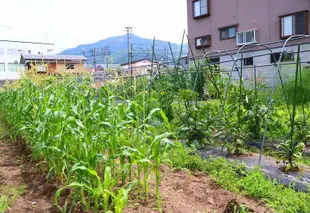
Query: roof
[(137, 61), (27, 57)]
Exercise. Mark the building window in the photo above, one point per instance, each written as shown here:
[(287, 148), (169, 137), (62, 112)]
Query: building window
[(41, 67), (200, 8), (29, 51), (293, 24), (1, 51), (70, 66), (274, 58), (2, 67), (15, 67), (248, 61), (12, 67), (204, 41), (228, 32), (215, 64), (247, 37), (214, 60), (12, 52)]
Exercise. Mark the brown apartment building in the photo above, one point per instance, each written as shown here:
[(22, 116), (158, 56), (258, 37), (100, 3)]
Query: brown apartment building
[(229, 24)]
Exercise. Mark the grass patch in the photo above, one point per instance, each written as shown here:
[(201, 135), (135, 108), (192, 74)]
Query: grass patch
[(235, 177), (8, 195), (2, 132), (214, 102), (305, 160)]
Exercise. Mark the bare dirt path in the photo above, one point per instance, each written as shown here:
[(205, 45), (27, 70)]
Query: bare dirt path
[(15, 171), (193, 193)]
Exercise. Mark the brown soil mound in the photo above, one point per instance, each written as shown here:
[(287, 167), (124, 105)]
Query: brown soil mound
[(16, 171), (183, 192)]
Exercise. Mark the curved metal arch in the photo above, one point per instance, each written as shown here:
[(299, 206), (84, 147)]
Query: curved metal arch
[(235, 59), (204, 57), (273, 90)]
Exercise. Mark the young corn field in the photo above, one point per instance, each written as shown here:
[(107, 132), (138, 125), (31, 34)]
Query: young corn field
[(107, 147), (98, 144)]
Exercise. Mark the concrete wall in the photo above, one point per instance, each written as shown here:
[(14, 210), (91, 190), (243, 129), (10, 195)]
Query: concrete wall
[(262, 15), (266, 71)]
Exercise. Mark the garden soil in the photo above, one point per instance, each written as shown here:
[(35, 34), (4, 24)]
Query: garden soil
[(17, 170), (182, 192), (185, 192)]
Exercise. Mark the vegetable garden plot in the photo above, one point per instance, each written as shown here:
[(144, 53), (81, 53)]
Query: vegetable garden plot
[(105, 145)]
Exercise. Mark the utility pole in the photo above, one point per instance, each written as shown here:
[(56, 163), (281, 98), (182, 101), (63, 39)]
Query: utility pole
[(165, 56), (128, 30), (131, 56), (85, 57), (93, 51), (107, 53)]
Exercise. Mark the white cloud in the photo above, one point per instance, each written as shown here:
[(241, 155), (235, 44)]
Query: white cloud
[(68, 23)]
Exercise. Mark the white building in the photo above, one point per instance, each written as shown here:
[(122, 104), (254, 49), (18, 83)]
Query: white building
[(139, 67), (10, 52)]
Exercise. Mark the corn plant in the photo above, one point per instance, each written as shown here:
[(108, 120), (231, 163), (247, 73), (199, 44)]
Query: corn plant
[(88, 139), (8, 196)]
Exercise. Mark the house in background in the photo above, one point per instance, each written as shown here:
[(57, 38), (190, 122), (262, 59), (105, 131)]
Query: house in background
[(226, 25), (139, 67), (11, 51), (54, 64), (107, 67)]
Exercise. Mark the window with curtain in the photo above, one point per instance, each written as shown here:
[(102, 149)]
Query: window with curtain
[(200, 8), (294, 24), (203, 41), (228, 32), (247, 37)]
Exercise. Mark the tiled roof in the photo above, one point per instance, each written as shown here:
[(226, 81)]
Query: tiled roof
[(54, 57)]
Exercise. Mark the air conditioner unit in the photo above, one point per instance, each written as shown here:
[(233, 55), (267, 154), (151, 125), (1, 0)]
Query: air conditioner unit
[(246, 37)]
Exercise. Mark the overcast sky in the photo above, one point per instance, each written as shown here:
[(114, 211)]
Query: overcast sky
[(68, 23)]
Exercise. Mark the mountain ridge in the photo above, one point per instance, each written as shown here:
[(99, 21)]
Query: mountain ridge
[(141, 48)]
